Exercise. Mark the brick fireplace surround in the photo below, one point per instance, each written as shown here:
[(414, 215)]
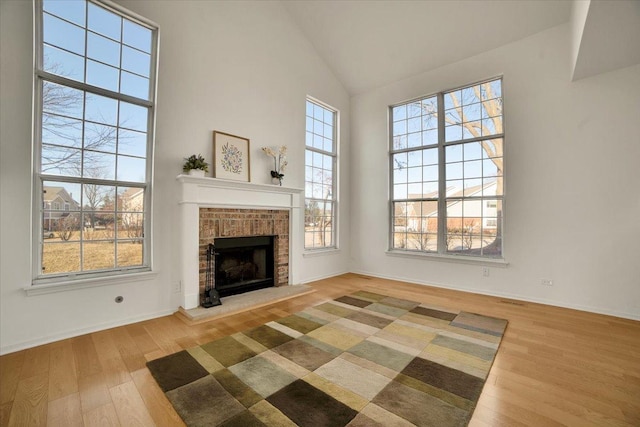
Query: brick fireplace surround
[(210, 208), (223, 222)]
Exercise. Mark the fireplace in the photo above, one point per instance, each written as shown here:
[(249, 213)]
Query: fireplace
[(243, 264), (211, 208), (251, 248)]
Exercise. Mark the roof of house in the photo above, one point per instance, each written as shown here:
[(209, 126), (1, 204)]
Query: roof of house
[(52, 193)]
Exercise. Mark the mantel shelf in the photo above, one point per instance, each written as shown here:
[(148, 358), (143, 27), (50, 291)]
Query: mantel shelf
[(240, 185)]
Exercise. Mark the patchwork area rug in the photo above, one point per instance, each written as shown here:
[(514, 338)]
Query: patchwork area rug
[(361, 360)]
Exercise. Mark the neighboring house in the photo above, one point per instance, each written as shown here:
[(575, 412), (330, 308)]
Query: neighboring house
[(422, 215), (130, 211), (57, 205), (132, 200)]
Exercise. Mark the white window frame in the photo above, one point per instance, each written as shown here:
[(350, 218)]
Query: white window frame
[(441, 145), (311, 250), (74, 280)]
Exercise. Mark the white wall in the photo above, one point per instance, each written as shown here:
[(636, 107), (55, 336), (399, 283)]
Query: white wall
[(572, 179), (238, 67)]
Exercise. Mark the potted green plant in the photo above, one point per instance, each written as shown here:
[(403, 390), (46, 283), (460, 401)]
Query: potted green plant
[(195, 165)]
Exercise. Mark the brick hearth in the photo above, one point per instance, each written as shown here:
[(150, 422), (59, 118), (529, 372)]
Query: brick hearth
[(224, 222)]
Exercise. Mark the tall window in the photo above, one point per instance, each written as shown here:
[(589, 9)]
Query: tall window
[(447, 169), (321, 160), (95, 80)]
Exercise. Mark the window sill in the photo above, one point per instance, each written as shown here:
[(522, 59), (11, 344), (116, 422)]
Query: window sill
[(320, 252), (500, 263), (45, 286)]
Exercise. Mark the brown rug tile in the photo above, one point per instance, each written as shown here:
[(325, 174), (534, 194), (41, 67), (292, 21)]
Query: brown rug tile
[(307, 406)]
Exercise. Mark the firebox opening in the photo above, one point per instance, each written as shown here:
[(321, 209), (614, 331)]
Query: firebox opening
[(243, 264)]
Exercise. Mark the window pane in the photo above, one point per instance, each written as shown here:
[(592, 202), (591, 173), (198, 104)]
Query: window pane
[(97, 197), (414, 158), (414, 139), (103, 49), (454, 171), (415, 174), (131, 169), (101, 75), (473, 169), (399, 142), (60, 130), (430, 137), (63, 34), (133, 116), (453, 153), (98, 256), (101, 109), (62, 100), (130, 199), (472, 151), (400, 176), (63, 161), (134, 85), (399, 112), (471, 112), (430, 189), (63, 63), (61, 256), (453, 133), (98, 226), (99, 165), (136, 61), (400, 127), (73, 11), (492, 148), (104, 22), (414, 124), (400, 191), (99, 137), (131, 226), (137, 36), (130, 252), (430, 173), (132, 143), (328, 145), (430, 156)]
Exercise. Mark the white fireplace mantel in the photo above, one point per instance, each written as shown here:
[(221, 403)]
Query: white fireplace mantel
[(197, 192)]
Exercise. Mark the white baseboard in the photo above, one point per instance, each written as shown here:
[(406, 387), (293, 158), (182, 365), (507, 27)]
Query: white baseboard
[(324, 276), (597, 310), (81, 331)]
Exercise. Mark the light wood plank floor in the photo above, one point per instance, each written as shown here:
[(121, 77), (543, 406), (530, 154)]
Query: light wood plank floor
[(555, 366)]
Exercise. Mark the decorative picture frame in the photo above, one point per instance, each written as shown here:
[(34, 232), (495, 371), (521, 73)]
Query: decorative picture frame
[(231, 157)]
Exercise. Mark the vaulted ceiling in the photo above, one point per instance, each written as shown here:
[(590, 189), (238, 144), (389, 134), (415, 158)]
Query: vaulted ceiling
[(369, 43)]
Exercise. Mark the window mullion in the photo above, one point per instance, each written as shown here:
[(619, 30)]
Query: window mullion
[(442, 185)]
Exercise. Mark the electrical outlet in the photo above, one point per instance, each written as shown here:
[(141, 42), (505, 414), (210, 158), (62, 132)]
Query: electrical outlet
[(177, 286), (546, 282), (485, 271)]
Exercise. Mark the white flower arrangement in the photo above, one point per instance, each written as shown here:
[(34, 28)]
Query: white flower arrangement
[(279, 161)]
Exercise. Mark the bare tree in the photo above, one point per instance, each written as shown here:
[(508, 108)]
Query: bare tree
[(64, 132), (467, 233), (67, 225)]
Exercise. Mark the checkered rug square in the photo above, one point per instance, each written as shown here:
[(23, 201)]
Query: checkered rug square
[(363, 359)]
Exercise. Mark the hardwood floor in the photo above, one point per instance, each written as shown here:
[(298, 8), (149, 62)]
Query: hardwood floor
[(555, 366)]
